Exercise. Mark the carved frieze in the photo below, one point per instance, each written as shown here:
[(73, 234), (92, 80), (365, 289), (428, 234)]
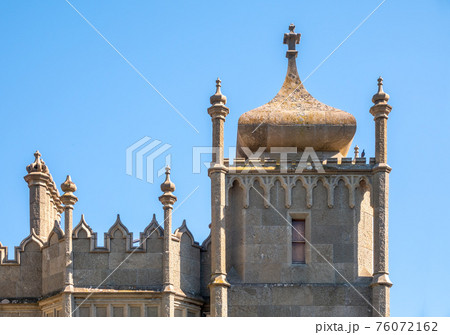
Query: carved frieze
[(288, 182)]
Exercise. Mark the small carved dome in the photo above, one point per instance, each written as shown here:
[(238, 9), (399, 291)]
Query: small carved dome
[(381, 96), (38, 165), (167, 186), (218, 98), (295, 119), (68, 186)]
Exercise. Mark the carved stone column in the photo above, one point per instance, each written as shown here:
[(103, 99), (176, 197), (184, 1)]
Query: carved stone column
[(168, 294), (381, 283), (218, 285), (69, 200)]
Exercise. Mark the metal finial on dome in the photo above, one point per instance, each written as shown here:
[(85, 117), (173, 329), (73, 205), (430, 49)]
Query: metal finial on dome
[(380, 96)]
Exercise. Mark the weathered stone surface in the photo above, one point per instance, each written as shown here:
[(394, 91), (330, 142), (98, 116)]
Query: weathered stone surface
[(250, 265)]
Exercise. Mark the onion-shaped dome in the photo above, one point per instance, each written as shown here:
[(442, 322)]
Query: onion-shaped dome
[(295, 119)]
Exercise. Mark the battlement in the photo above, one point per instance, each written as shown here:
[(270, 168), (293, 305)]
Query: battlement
[(118, 243), (119, 230), (52, 260)]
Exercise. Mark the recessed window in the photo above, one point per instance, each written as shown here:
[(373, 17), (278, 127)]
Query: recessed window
[(84, 311), (100, 311), (298, 241), (135, 311), (117, 311), (152, 311)]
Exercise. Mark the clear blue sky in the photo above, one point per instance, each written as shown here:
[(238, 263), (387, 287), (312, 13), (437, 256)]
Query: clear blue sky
[(66, 92)]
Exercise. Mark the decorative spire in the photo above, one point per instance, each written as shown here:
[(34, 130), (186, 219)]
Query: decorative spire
[(380, 111), (356, 151), (167, 187), (292, 78), (380, 96), (218, 86), (68, 187), (218, 98), (38, 165), (291, 39)]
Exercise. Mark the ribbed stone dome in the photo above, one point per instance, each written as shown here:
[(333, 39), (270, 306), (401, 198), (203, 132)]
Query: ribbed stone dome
[(295, 119)]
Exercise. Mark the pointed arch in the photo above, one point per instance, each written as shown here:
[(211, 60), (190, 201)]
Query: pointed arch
[(118, 226), (263, 183), (182, 230), (30, 239), (82, 230), (309, 182), (368, 183), (270, 182), (242, 183), (152, 228), (56, 232)]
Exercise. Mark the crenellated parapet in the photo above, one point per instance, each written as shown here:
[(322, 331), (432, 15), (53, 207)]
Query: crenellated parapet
[(121, 263), (125, 263), (56, 234), (18, 251), (119, 230)]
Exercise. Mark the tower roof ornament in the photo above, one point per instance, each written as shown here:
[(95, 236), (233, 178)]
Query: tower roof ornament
[(294, 118), (380, 96), (167, 186), (68, 187), (167, 199), (218, 98), (218, 101), (291, 39), (38, 165)]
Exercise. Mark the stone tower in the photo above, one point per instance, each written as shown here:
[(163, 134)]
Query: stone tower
[(45, 204), (298, 228)]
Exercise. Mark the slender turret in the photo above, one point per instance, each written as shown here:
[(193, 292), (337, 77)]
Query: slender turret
[(69, 200), (381, 282), (218, 285), (168, 199)]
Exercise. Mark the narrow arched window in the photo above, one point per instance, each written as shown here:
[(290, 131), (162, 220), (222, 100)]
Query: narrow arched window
[(298, 241)]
